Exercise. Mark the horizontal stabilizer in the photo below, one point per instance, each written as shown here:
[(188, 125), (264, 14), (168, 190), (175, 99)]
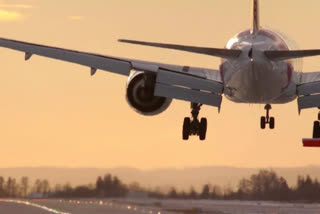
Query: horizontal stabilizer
[(223, 53), (291, 54)]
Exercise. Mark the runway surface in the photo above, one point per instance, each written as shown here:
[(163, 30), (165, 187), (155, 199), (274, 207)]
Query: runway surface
[(145, 206)]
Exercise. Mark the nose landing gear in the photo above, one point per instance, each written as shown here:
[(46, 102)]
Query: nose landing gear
[(267, 119), (194, 127)]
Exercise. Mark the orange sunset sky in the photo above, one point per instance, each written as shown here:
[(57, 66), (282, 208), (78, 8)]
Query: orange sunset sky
[(54, 114)]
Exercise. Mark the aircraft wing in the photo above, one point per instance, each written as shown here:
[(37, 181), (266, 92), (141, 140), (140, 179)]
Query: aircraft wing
[(173, 81), (308, 90)]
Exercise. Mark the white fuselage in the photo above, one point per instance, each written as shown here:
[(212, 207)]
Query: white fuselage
[(253, 78)]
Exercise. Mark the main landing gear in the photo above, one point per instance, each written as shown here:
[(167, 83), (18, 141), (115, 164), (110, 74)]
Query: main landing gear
[(269, 120), (315, 140), (316, 127), (194, 126)]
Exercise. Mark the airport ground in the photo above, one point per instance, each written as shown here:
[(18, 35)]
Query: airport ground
[(146, 206)]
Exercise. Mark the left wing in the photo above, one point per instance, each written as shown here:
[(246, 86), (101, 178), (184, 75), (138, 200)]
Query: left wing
[(181, 82)]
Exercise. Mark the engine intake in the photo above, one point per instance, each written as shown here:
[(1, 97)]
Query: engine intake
[(140, 95)]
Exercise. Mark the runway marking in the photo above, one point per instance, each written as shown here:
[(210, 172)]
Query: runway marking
[(114, 205), (34, 205)]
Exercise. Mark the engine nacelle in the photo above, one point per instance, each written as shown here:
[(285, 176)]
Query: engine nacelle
[(140, 90)]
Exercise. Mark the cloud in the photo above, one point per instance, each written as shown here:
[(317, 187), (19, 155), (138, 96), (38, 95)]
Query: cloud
[(23, 6), (75, 18), (8, 16)]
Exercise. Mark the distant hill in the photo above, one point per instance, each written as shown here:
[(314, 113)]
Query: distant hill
[(164, 178)]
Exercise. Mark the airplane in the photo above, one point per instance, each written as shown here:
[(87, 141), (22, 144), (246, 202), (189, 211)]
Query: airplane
[(257, 67)]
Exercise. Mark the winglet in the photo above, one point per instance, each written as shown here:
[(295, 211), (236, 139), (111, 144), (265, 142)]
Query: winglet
[(255, 25)]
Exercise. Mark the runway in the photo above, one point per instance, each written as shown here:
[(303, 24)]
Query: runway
[(146, 206), (14, 206)]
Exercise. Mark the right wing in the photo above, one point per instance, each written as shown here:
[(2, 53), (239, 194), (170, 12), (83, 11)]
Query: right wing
[(173, 81), (308, 90)]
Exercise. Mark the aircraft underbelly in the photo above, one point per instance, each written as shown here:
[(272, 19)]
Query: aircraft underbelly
[(260, 84)]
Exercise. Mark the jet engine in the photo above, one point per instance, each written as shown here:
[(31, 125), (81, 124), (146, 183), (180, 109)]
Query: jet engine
[(140, 94)]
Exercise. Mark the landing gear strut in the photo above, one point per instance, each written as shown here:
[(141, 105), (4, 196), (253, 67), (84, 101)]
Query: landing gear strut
[(267, 119), (315, 141), (316, 127), (194, 126)]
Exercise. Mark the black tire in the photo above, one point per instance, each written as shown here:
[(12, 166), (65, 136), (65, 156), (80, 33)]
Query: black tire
[(186, 128), (263, 122), (272, 123), (203, 128), (316, 129)]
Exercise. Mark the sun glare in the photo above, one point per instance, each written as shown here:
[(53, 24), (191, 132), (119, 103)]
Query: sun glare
[(9, 16)]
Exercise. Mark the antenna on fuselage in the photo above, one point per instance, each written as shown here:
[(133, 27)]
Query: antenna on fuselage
[(255, 25)]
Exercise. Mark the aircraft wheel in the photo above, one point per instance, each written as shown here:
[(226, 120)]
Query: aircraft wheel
[(272, 123), (203, 128), (186, 128), (316, 129), (263, 122)]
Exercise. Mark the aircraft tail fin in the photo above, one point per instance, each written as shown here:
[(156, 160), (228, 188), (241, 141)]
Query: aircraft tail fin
[(255, 25)]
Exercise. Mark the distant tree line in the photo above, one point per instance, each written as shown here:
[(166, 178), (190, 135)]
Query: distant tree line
[(265, 185), (105, 187), (12, 188), (108, 186)]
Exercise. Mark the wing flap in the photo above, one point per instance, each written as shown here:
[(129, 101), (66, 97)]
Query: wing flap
[(188, 88), (305, 102), (186, 94), (209, 74), (176, 79), (308, 95)]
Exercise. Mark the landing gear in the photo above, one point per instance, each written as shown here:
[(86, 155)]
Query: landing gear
[(267, 119), (316, 128), (186, 128), (315, 140), (194, 126)]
